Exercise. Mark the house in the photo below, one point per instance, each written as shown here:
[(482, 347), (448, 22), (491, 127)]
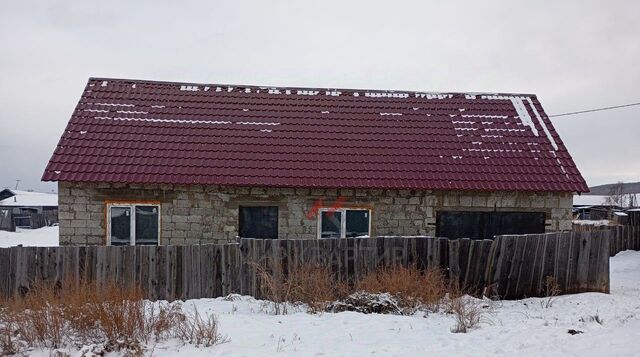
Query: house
[(146, 162), (27, 209)]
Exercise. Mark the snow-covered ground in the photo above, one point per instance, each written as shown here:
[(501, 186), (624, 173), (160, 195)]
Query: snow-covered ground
[(512, 328), (42, 237)]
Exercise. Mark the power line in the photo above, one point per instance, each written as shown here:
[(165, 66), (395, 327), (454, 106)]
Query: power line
[(595, 110)]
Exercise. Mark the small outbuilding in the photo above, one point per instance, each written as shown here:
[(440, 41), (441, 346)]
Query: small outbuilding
[(146, 162), (27, 209)]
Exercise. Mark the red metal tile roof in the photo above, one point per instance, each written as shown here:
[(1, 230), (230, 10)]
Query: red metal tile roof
[(136, 131)]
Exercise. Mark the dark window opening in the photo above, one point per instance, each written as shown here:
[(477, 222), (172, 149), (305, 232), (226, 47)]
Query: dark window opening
[(357, 223), (258, 222), (146, 225), (331, 224), (120, 225), (486, 225)]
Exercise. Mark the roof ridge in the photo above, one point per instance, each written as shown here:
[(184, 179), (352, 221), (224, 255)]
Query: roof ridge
[(488, 93)]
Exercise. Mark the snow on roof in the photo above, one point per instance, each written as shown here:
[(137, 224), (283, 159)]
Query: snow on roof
[(134, 131), (585, 222), (30, 199)]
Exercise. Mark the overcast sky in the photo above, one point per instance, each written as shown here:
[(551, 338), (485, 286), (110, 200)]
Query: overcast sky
[(573, 55)]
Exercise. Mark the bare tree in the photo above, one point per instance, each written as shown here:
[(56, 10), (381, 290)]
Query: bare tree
[(617, 197)]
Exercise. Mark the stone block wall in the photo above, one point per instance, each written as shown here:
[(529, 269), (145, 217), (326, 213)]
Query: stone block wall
[(209, 214)]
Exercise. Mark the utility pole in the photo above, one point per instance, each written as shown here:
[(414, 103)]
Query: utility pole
[(17, 183)]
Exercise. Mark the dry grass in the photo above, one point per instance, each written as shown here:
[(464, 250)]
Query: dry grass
[(116, 318), (551, 291), (467, 311), (308, 284), (199, 330), (316, 286), (413, 288), (274, 289)]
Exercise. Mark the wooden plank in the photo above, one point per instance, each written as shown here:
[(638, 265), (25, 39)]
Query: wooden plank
[(171, 280), (492, 267), (217, 270), (13, 267), (207, 271), (594, 253), (421, 251), (155, 272), (538, 264), (482, 265), (5, 269), (504, 264), (195, 277), (453, 259), (443, 253), (244, 269), (562, 257), (526, 266), (516, 265), (583, 261), (572, 263), (59, 258), (82, 264), (20, 286), (430, 246), (603, 280), (29, 256), (548, 263), (234, 250), (463, 259)]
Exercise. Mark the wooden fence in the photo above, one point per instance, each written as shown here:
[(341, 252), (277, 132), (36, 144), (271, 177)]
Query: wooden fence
[(509, 266), (622, 238)]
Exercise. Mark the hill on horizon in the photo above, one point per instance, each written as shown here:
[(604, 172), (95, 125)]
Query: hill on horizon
[(629, 187)]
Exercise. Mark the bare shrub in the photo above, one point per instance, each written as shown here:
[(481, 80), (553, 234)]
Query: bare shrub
[(467, 311), (9, 342), (413, 288), (38, 319), (109, 316), (314, 286), (274, 288), (551, 291), (308, 284), (199, 331)]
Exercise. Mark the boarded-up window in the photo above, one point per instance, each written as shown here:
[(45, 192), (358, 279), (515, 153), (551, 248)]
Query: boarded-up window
[(258, 222), (486, 225)]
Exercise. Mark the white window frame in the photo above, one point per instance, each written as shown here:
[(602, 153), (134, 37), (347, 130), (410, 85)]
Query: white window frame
[(132, 217), (343, 219)]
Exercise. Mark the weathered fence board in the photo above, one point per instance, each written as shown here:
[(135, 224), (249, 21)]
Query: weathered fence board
[(621, 238), (513, 266)]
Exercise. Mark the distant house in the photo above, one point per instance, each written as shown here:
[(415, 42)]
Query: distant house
[(144, 162), (27, 209), (600, 207)]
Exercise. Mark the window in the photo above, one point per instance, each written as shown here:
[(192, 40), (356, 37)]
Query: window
[(258, 222), (344, 223), (133, 224), (486, 225)]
